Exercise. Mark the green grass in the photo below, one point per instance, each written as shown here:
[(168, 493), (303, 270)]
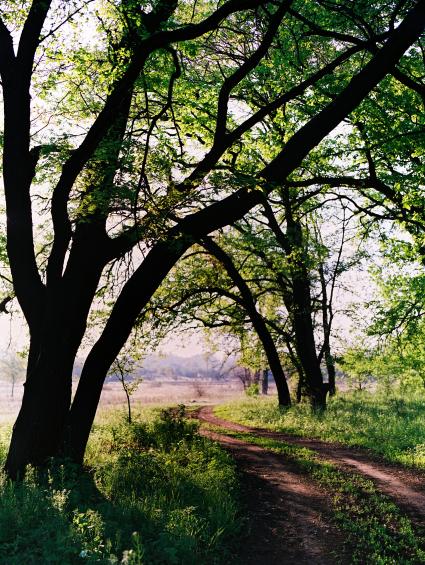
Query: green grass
[(391, 427), (154, 492), (376, 531)]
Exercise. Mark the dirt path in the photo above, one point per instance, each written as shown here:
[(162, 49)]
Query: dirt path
[(289, 517), (405, 487)]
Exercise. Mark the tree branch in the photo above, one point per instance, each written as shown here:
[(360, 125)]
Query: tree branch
[(30, 36), (235, 78)]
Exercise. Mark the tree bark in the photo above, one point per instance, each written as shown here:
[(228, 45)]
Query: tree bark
[(47, 395), (265, 382), (305, 342)]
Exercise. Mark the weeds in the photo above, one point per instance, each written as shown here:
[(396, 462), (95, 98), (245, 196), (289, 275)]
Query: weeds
[(153, 492)]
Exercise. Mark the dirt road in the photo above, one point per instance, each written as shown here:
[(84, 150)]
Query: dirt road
[(291, 515)]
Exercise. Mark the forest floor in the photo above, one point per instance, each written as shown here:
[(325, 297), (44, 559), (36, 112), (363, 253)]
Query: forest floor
[(291, 516)]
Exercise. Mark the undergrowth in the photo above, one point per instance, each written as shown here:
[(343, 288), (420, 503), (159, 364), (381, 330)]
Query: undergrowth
[(376, 531), (393, 427), (154, 492)]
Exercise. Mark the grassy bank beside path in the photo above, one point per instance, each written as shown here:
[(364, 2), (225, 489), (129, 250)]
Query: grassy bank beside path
[(375, 529), (151, 492), (391, 427)]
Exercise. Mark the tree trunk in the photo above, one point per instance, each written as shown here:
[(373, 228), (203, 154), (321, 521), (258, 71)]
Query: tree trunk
[(305, 343), (330, 367), (300, 385), (327, 317), (134, 296), (298, 301), (265, 382), (257, 320), (38, 429)]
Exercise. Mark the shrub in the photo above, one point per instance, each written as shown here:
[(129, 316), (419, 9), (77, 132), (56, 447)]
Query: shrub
[(252, 390), (153, 492)]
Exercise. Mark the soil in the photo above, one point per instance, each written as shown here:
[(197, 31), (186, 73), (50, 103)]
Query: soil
[(288, 513)]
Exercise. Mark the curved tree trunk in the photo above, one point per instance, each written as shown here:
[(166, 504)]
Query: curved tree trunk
[(134, 296), (257, 320)]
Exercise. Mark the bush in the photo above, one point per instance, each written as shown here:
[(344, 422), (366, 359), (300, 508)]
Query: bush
[(252, 390), (153, 491)]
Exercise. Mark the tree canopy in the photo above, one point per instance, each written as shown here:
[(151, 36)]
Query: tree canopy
[(132, 131)]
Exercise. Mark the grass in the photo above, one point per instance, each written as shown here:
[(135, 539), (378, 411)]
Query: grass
[(376, 531), (392, 427), (154, 492)]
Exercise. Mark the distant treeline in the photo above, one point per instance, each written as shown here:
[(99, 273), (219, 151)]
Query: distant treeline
[(175, 367)]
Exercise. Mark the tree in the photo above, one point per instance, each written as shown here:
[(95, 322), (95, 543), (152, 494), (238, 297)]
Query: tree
[(124, 366), (398, 317), (13, 370), (303, 274), (257, 320), (113, 189), (201, 289), (357, 363)]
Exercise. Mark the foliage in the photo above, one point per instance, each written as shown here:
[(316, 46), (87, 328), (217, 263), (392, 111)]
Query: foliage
[(153, 492), (357, 364), (253, 389), (144, 127), (393, 352), (397, 364), (391, 426)]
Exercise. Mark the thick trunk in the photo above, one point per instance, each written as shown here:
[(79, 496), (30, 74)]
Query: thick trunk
[(305, 342), (302, 311), (39, 429), (47, 395)]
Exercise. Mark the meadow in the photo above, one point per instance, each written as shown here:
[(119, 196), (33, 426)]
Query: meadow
[(391, 426), (157, 492)]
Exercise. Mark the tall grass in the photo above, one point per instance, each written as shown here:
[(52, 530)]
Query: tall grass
[(152, 492), (392, 427)]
